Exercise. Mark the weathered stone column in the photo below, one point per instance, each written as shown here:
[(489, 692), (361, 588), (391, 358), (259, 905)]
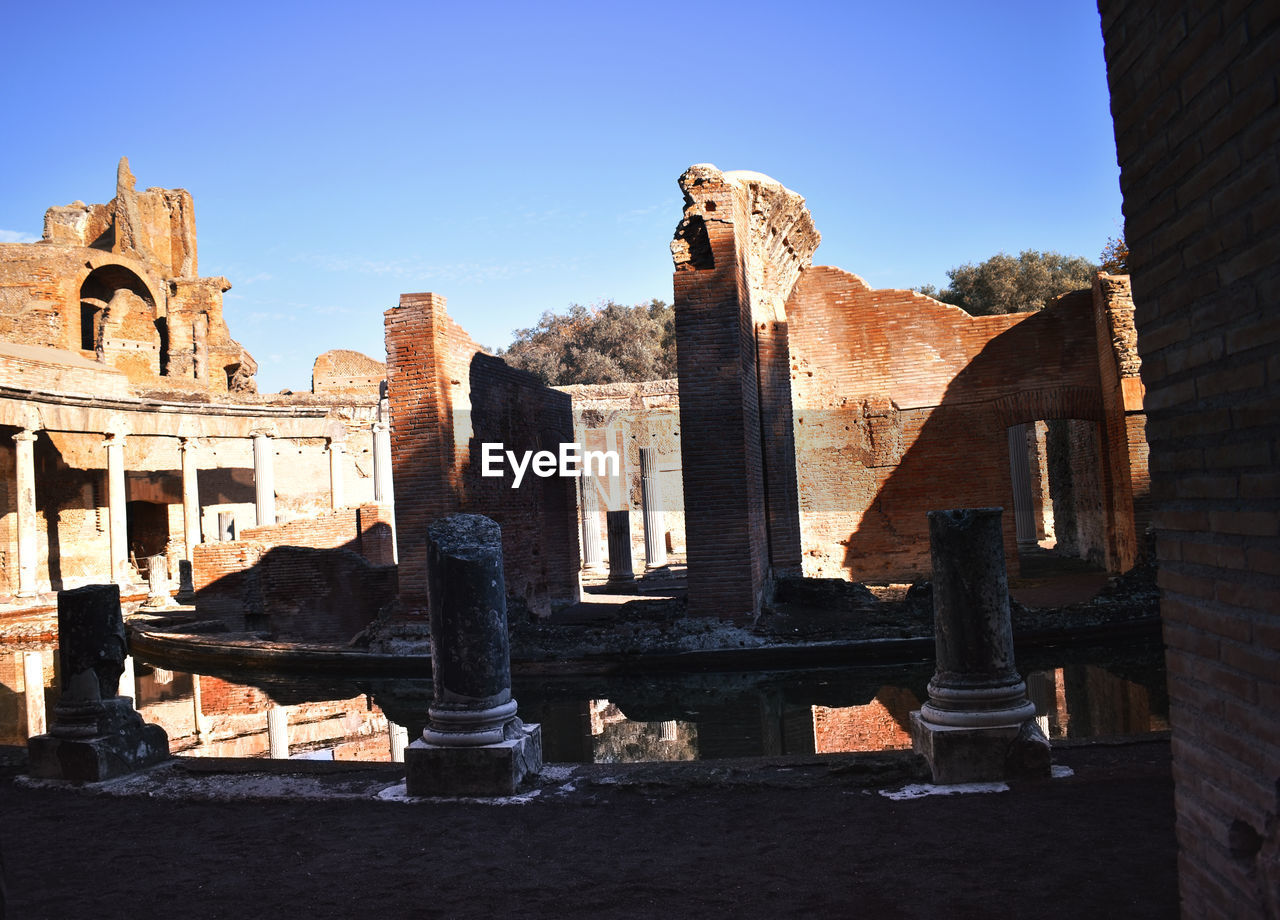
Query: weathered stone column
[(978, 724), (226, 526), (264, 479), (398, 735), (116, 504), (190, 495), (473, 743), (382, 490), (620, 569), (96, 733), (278, 732), (33, 689), (655, 532), (158, 582), (591, 555), (382, 478), (25, 479), (336, 498)]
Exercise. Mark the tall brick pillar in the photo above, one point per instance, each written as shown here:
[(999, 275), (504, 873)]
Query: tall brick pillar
[(422, 455), (738, 252)]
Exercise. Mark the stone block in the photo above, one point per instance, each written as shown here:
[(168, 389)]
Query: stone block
[(482, 770), (123, 743), (981, 755)]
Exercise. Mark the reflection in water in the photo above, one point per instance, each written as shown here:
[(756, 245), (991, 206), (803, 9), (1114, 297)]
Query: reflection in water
[(1078, 694)]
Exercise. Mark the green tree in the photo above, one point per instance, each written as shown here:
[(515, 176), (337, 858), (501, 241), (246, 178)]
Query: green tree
[(1013, 284), (605, 343)]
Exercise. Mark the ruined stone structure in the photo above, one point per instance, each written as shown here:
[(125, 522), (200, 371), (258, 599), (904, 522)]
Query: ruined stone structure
[(821, 419), (129, 420), (624, 418), (1197, 123), (447, 398), (116, 283)]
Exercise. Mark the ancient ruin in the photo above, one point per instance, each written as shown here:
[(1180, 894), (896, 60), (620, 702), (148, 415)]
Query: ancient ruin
[(131, 426), (96, 734)]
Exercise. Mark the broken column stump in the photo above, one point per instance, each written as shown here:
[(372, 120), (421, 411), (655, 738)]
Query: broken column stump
[(96, 733), (978, 725), (473, 743), (621, 572)]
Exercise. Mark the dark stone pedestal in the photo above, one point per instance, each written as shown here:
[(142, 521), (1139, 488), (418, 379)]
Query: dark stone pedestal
[(117, 742), (481, 770), (978, 724), (981, 755), (473, 743)]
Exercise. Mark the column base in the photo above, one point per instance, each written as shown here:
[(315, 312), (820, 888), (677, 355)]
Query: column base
[(981, 754), (124, 743), (483, 770)]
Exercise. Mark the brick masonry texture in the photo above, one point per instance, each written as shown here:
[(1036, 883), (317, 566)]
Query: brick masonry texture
[(319, 579), (901, 407), (742, 243), (447, 398), (822, 419), (1197, 123)]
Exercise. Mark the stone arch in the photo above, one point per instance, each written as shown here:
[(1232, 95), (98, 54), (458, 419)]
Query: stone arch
[(119, 311)]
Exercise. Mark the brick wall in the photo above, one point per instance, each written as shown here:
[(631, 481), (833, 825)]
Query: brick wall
[(316, 580), (1197, 124), (901, 407), (881, 725), (446, 398), (742, 243)]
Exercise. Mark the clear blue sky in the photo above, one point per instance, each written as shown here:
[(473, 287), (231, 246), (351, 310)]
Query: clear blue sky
[(519, 157)]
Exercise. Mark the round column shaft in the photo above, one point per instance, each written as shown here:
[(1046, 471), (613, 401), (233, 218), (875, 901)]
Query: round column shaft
[(620, 568), (470, 652), (591, 556), (976, 683), (655, 531)]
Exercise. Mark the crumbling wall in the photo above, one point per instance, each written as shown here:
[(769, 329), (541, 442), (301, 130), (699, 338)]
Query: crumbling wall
[(340, 370), (742, 243), (117, 283), (901, 407), (446, 399), (321, 579)]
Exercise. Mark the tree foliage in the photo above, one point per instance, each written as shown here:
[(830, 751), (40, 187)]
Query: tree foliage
[(604, 343), (1115, 256), (1013, 284)]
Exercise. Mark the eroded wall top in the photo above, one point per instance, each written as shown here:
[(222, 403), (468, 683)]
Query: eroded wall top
[(771, 223)]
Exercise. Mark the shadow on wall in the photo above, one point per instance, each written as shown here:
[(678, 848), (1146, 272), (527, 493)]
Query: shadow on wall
[(959, 455), (297, 593), (539, 518)]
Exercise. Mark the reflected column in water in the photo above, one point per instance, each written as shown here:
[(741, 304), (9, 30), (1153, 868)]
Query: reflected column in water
[(33, 689), (278, 732), (202, 722)]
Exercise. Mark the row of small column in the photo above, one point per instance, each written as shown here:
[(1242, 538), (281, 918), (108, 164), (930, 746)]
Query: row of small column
[(264, 497), (619, 524)]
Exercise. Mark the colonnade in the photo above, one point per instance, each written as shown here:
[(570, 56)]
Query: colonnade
[(117, 497)]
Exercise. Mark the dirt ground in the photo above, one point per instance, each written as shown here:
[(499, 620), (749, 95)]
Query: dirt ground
[(737, 839)]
